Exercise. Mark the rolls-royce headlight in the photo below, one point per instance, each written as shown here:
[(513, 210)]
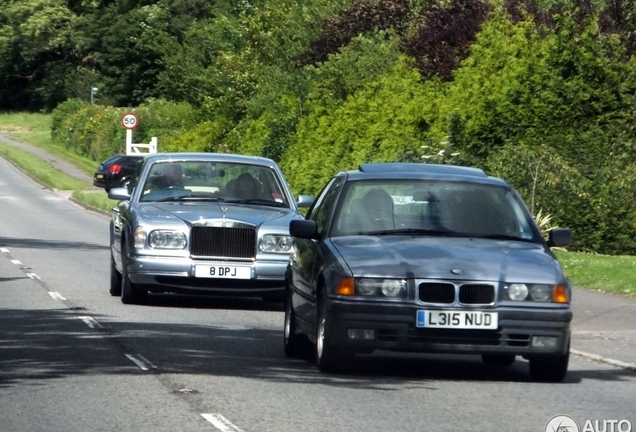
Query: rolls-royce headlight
[(274, 243), (517, 291), (139, 238), (381, 287), (165, 239)]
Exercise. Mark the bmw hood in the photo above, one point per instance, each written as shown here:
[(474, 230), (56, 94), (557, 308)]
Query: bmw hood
[(448, 258), (195, 213)]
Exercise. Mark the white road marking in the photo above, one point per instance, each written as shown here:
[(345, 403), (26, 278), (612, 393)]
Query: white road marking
[(16, 262), (90, 322), (33, 276), (140, 361), (221, 423), (56, 295), (4, 250), (613, 362)]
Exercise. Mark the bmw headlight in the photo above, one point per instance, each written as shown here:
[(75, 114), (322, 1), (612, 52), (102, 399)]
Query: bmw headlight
[(517, 291), (166, 239), (541, 293), (395, 288), (275, 243), (537, 292)]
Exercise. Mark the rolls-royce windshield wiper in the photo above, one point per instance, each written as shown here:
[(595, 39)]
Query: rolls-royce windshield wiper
[(190, 197), (258, 201)]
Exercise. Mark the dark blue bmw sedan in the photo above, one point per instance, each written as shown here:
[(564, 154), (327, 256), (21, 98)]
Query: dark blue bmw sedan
[(430, 259)]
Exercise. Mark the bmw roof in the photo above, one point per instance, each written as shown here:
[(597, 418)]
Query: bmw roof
[(421, 170)]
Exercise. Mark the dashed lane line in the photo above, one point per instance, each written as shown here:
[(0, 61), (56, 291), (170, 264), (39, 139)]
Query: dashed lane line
[(56, 295), (221, 423), (91, 322), (139, 360)]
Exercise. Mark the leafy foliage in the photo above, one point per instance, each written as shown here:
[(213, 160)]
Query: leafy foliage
[(539, 92), (443, 38), (361, 18)]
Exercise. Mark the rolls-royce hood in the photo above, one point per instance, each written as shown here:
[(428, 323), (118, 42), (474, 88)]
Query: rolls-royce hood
[(209, 213), (448, 258)]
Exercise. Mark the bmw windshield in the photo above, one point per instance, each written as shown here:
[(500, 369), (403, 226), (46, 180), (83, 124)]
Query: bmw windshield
[(433, 207)]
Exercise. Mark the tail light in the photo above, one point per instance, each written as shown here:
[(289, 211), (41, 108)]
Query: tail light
[(114, 169)]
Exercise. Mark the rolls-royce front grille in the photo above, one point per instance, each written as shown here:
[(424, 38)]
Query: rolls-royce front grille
[(433, 292), (476, 294), (219, 242)]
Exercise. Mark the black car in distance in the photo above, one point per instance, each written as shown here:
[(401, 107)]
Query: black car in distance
[(116, 171), (429, 259)]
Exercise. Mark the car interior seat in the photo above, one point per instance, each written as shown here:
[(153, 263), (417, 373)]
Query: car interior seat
[(374, 211)]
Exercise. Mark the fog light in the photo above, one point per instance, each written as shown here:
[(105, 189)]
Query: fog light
[(361, 333), (544, 341)]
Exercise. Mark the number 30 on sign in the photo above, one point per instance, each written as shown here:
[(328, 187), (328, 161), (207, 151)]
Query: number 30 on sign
[(130, 120)]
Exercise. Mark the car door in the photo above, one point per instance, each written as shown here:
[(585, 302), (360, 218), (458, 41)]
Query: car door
[(120, 217), (308, 258)]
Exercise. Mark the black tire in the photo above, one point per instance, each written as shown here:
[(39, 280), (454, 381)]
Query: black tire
[(292, 341), (130, 292), (328, 358), (115, 279), (552, 369), (499, 360)]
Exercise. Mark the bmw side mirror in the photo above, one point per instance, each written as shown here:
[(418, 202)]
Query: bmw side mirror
[(305, 201), (560, 237), (305, 229)]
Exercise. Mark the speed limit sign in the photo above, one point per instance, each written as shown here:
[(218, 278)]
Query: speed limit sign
[(130, 120)]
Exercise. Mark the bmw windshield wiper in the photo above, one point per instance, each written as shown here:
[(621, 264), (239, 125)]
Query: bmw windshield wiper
[(431, 232), (502, 237)]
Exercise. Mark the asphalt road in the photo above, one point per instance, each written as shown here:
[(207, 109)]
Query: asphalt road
[(73, 358)]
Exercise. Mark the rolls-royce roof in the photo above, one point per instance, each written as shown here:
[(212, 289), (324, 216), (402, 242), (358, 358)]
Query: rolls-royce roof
[(202, 156)]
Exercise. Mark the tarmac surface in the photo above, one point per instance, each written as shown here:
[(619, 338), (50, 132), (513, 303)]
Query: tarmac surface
[(603, 327), (56, 162)]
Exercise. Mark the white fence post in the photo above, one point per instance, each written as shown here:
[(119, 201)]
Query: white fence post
[(134, 148)]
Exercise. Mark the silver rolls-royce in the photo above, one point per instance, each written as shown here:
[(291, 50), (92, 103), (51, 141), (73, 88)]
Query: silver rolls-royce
[(202, 223)]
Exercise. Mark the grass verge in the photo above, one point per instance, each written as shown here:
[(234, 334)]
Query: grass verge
[(56, 179), (42, 139), (613, 274)]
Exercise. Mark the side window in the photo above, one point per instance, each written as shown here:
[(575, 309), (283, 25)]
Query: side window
[(323, 208), (135, 177)]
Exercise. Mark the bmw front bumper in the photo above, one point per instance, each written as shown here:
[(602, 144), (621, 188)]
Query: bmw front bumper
[(392, 327)]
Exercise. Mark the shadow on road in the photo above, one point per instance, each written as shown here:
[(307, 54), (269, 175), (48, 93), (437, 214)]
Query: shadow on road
[(50, 344), (49, 244)]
